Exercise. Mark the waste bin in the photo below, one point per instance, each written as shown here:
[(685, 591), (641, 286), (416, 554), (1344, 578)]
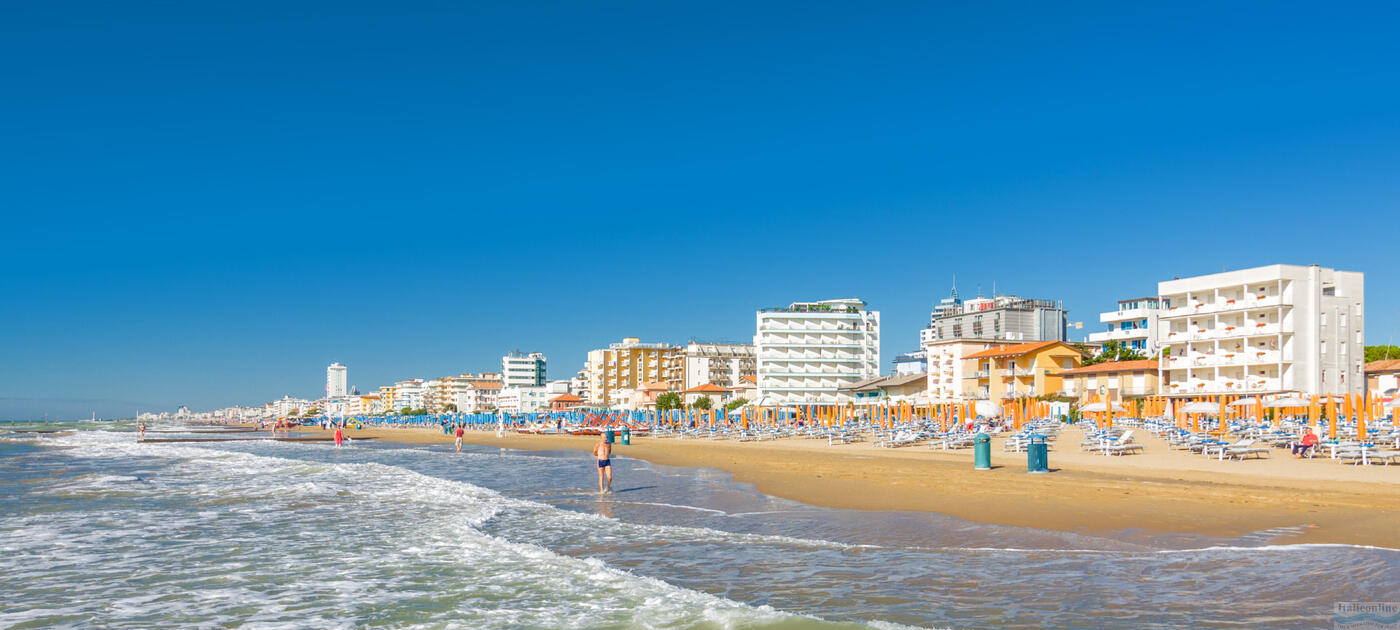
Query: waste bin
[(1038, 455), (608, 436), (626, 436), (982, 452)]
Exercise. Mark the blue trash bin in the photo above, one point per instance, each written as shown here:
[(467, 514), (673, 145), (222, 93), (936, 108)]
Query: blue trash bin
[(1038, 455), (982, 452)]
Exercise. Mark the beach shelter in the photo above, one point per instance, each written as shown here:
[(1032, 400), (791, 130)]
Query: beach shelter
[(1100, 407)]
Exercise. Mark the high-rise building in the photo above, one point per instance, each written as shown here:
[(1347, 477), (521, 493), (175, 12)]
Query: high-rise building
[(723, 364), (614, 372), (1279, 328), (523, 370), (1134, 325), (335, 380), (808, 351), (1004, 317)]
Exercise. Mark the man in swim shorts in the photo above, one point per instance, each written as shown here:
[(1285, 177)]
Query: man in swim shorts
[(603, 452), (459, 438)]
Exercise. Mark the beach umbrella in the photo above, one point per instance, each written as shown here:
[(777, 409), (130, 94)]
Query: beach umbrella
[(1098, 407), (1244, 402), (1287, 401), (1200, 407)]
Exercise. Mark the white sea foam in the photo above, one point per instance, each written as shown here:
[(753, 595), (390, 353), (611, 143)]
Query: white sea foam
[(422, 523)]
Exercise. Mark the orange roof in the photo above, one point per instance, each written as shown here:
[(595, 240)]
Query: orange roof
[(486, 385), (1011, 351), (1392, 365), (565, 398), (654, 387), (1114, 366), (707, 388), (749, 378)]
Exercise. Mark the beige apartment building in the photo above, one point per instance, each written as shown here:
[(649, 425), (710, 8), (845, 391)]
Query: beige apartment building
[(616, 371)]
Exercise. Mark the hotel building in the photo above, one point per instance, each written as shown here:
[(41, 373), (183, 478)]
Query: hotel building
[(1280, 328), (809, 351), (946, 371), (1134, 325), (523, 370), (614, 372), (1018, 370), (335, 380), (1004, 317), (723, 364), (1115, 379)]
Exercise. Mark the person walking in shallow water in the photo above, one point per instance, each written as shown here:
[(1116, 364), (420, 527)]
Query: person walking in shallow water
[(603, 452), (459, 437), (143, 430)]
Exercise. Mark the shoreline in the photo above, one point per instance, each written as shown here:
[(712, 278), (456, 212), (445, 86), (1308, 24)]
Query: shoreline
[(1158, 492)]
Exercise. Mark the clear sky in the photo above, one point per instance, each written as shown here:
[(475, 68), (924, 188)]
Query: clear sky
[(207, 203)]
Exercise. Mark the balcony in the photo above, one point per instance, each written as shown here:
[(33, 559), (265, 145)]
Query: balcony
[(1131, 314), (1261, 328), (1118, 335), (981, 374)]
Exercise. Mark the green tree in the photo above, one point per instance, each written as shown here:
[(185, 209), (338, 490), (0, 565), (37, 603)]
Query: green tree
[(406, 411), (311, 412), (702, 402), (1382, 353), (669, 400), (736, 403), (450, 408), (1114, 351)]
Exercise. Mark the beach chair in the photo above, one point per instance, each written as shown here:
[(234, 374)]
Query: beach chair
[(1121, 445), (1246, 448)]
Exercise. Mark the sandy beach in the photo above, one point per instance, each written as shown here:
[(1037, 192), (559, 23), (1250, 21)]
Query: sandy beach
[(1160, 491)]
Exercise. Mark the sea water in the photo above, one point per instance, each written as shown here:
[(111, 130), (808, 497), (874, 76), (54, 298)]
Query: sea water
[(98, 530)]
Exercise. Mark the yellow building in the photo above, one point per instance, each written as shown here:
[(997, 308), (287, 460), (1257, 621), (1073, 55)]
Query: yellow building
[(1116, 379), (386, 397), (616, 371), (1023, 369)]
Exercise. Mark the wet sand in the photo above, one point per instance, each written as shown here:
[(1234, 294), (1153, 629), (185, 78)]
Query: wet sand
[(1160, 491)]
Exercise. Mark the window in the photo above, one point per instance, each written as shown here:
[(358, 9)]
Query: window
[(1067, 363), (1322, 319), (1341, 320)]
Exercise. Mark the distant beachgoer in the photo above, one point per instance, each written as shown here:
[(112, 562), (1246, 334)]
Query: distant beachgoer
[(143, 430), (603, 452), (1308, 443), (459, 438), (339, 436)]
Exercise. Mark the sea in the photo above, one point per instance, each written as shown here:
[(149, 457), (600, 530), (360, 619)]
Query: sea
[(97, 530)]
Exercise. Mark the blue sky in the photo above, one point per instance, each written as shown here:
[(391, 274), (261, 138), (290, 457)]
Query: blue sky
[(206, 203)]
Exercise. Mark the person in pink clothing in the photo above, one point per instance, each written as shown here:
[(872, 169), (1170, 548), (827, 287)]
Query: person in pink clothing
[(339, 436)]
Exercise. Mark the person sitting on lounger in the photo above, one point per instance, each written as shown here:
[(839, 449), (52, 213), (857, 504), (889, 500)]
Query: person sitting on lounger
[(1304, 445)]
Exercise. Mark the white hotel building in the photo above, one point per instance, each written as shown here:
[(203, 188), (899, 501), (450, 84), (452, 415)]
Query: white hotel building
[(335, 380), (1280, 328), (809, 350), (1134, 325)]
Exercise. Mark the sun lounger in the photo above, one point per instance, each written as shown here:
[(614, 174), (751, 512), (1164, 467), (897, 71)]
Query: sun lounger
[(1246, 448)]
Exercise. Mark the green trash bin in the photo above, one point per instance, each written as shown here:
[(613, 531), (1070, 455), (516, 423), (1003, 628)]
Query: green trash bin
[(982, 452), (1038, 455), (626, 436), (608, 436)]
